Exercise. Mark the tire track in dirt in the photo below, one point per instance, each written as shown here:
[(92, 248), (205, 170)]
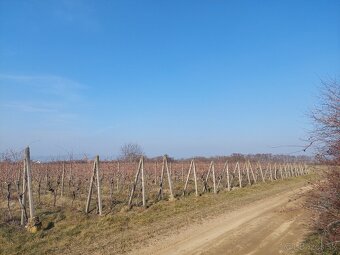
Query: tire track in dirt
[(274, 225)]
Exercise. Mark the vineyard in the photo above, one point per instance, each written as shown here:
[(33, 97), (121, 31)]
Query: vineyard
[(112, 186)]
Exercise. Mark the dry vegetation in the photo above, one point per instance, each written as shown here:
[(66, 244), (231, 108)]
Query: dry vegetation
[(68, 230), (324, 201), (60, 191)]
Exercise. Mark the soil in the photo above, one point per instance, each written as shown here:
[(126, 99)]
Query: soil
[(273, 225)]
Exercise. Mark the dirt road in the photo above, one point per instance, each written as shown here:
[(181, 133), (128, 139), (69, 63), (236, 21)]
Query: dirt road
[(274, 225)]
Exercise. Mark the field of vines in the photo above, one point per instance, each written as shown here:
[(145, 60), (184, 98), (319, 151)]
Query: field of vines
[(127, 185)]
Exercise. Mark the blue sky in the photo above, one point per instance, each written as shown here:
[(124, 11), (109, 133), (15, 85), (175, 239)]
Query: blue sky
[(179, 77)]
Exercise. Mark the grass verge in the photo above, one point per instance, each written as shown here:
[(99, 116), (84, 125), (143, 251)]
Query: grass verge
[(68, 231)]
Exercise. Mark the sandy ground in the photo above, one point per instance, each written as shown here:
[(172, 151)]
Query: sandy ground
[(274, 225)]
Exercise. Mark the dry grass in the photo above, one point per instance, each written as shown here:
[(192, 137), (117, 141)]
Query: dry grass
[(69, 231)]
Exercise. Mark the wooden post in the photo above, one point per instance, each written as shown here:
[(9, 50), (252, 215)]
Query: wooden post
[(214, 179), (228, 178), (193, 168), (291, 167), (296, 170), (205, 187), (160, 192), (95, 175), (239, 174), (271, 172), (247, 169), (169, 178), (187, 180), (285, 170), (195, 178), (70, 177), (62, 181), (266, 171), (23, 200), (300, 169), (143, 183), (87, 208), (98, 187), (305, 169), (134, 184), (117, 177), (220, 178), (29, 182), (182, 172), (252, 173), (261, 172), (155, 170), (212, 171), (46, 180)]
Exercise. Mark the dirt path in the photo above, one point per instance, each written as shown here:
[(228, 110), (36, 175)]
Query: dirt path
[(273, 225)]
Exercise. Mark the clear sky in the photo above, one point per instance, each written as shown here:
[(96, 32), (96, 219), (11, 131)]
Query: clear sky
[(179, 77)]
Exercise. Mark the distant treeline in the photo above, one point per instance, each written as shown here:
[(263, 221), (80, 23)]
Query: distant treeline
[(13, 156)]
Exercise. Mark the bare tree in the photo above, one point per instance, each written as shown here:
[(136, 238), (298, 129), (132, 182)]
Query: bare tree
[(131, 152), (326, 119), (324, 198)]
